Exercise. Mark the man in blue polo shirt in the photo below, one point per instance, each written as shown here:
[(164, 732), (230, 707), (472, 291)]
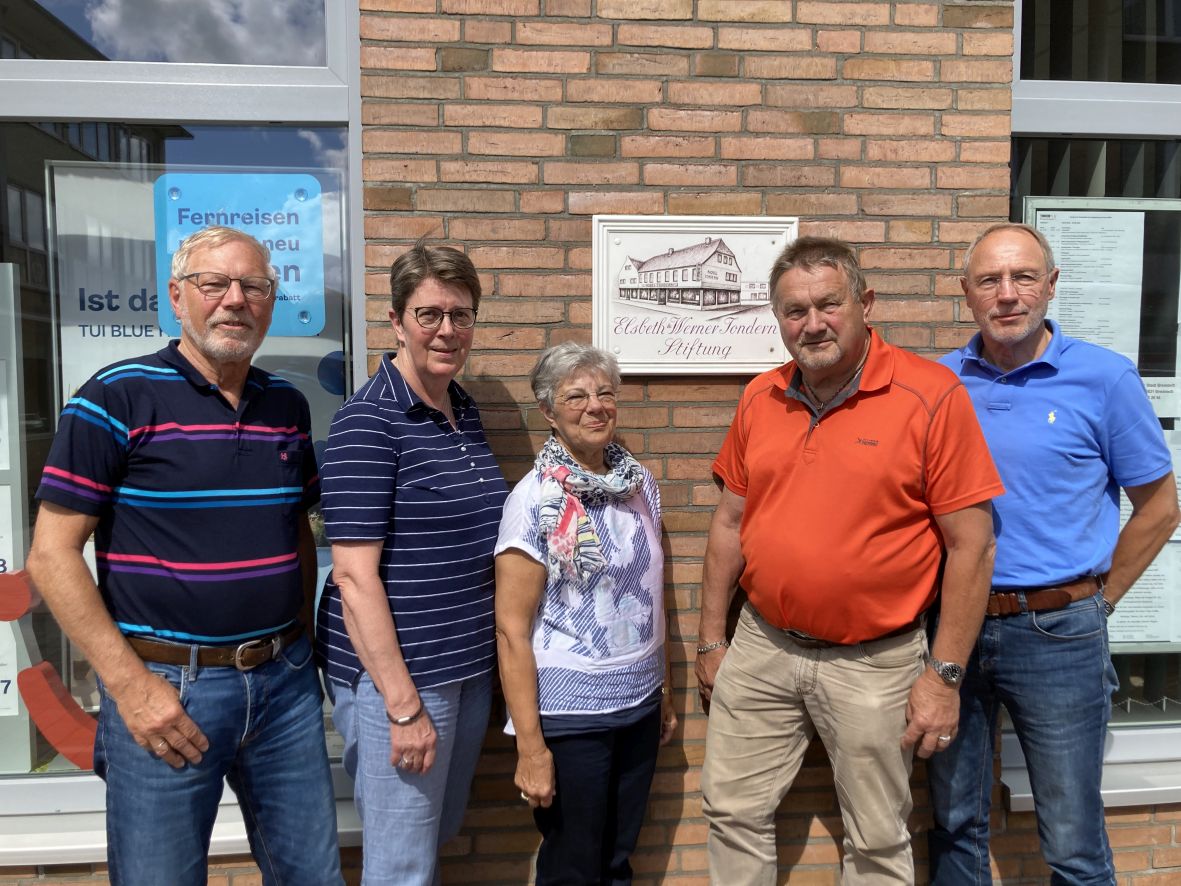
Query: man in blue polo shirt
[(194, 470), (1069, 424)]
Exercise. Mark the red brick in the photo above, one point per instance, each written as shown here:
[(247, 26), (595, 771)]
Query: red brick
[(541, 61), (744, 10), (894, 70), (883, 177), (563, 33), (533, 285), (839, 148), (714, 203), (564, 117), (410, 141), (383, 86), (982, 206), (815, 122), (694, 121), (988, 43), (978, 15), (916, 15), (398, 5), (497, 33), (811, 204), (669, 146), (491, 7), (402, 227), (677, 37), (388, 198), (512, 89), (636, 92), (766, 148), (984, 152), (976, 124), (704, 92), (862, 13), (692, 174), (905, 257), (811, 96), (791, 67), (491, 171), (788, 175), (849, 231), (909, 231), (382, 169), (847, 42), (517, 144), (563, 173), (646, 9), (651, 63), (889, 124), (907, 97), (466, 229), (578, 229), (765, 39), (398, 58), (997, 99), (910, 42), (935, 205), (458, 200), (952, 71), (542, 202), (425, 30), (605, 202), (905, 151), (397, 114), (891, 310), (970, 178)]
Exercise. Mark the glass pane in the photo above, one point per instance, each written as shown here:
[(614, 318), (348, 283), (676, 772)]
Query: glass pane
[(1120, 41), (104, 221), (1150, 689), (246, 32)]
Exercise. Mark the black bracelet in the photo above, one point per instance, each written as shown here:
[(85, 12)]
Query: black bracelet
[(406, 721)]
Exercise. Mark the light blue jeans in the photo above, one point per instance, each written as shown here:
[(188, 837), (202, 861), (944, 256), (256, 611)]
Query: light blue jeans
[(266, 737), (1052, 671), (406, 817)]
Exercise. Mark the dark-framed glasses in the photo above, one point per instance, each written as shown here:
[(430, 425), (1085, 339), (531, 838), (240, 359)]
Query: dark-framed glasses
[(1024, 282), (214, 285), (432, 318)]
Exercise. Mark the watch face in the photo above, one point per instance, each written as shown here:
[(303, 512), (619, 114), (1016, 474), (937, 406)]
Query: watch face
[(949, 672)]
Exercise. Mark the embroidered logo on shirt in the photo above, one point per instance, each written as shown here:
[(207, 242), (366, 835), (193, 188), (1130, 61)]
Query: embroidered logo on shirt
[(1051, 418), (283, 455), (865, 441)]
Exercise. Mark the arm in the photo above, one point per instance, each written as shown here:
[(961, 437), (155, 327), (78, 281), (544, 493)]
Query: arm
[(719, 580), (520, 581), (370, 625), (308, 570), (148, 704), (1154, 517), (668, 712), (933, 707)]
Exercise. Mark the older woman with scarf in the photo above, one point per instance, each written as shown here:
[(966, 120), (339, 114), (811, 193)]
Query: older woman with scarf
[(580, 626)]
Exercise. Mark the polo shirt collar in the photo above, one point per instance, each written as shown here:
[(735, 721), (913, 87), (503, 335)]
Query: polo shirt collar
[(171, 356), (875, 375), (1052, 356), (408, 399)]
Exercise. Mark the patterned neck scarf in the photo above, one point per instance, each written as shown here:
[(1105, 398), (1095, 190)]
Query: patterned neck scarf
[(572, 545)]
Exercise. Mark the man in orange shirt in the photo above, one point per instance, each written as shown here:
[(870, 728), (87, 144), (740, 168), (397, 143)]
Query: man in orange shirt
[(855, 485)]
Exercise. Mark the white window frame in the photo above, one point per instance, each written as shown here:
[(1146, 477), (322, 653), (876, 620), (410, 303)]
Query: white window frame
[(59, 818), (1141, 765)]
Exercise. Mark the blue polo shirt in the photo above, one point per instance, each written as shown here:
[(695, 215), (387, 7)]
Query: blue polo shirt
[(1066, 431), (198, 502), (396, 471)]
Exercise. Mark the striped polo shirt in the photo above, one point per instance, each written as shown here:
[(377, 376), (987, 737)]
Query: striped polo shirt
[(396, 471), (198, 503)]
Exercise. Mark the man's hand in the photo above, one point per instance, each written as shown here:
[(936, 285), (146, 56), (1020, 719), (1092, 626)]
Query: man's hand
[(412, 748), (668, 720), (535, 777), (151, 710), (932, 713), (706, 668)]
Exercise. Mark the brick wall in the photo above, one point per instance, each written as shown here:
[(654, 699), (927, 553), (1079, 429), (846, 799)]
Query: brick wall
[(502, 125)]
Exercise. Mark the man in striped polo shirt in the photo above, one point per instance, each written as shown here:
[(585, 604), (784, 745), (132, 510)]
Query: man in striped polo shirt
[(194, 470)]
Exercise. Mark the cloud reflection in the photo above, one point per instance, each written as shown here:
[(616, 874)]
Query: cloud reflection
[(252, 32)]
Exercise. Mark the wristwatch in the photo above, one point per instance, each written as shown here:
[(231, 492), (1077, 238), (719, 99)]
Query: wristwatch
[(948, 671)]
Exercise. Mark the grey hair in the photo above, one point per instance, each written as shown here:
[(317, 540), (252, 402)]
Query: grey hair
[(211, 238), (812, 252), (1047, 250), (558, 363)]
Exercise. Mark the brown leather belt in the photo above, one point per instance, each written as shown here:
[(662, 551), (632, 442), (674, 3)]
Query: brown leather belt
[(807, 641), (1042, 599), (244, 656)]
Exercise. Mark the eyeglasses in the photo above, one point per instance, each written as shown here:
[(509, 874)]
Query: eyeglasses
[(580, 400), (1025, 282), (432, 318), (214, 285)]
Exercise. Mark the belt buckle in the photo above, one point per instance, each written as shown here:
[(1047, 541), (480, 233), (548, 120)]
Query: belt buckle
[(276, 644)]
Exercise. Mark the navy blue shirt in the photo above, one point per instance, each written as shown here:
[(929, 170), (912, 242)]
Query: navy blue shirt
[(396, 470), (198, 503)]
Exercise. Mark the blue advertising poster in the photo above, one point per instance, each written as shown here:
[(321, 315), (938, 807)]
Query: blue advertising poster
[(284, 211)]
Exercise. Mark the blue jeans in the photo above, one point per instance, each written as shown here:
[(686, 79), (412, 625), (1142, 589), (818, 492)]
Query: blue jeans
[(1052, 671), (266, 738), (406, 817), (602, 779)]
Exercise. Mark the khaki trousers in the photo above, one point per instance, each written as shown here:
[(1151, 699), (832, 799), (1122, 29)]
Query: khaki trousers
[(771, 696)]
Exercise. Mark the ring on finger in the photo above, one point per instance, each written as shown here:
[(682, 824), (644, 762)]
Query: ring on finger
[(945, 738), (524, 796), (162, 747)]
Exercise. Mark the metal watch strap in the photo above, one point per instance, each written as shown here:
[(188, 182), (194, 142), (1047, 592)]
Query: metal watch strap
[(710, 647)]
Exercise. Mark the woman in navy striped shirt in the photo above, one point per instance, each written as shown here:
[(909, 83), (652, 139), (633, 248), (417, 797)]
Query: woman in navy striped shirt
[(412, 498), (580, 626)]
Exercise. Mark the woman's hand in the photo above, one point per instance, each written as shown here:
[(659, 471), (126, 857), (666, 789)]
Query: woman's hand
[(535, 777), (412, 748), (668, 719)]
